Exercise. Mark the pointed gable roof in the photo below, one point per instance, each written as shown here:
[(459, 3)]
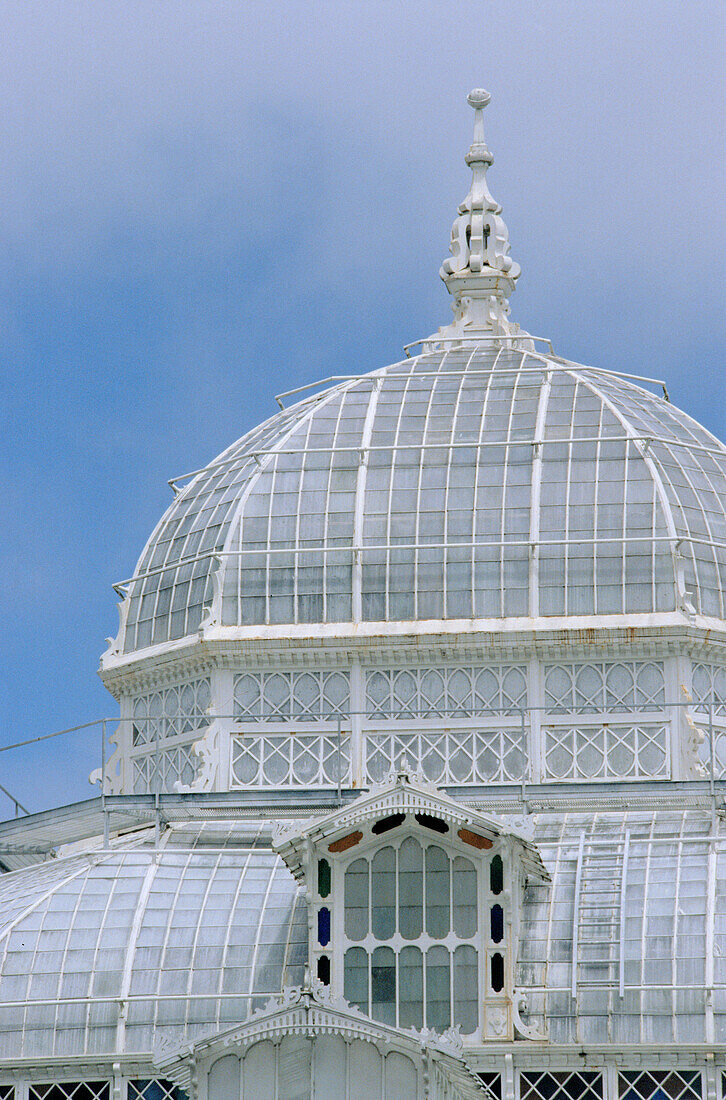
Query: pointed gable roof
[(404, 792)]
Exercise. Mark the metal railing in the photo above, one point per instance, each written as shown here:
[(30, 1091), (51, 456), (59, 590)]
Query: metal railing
[(338, 724)]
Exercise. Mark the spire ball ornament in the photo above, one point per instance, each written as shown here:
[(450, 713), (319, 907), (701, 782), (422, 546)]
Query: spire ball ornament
[(478, 98), (479, 274)]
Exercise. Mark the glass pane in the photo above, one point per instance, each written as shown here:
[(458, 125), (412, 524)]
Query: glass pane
[(383, 894), (496, 921), (497, 972), (323, 878), (324, 926), (356, 900), (437, 893), (496, 875), (355, 978), (410, 889), (438, 996), (383, 985), (466, 989), (464, 896), (410, 983)]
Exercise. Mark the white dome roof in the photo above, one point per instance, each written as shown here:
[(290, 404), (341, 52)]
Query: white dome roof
[(481, 482)]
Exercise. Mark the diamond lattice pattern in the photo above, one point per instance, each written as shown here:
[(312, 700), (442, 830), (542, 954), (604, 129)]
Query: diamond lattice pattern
[(155, 1089), (70, 1090), (279, 760), (455, 756), (606, 752), (658, 1084), (561, 1085)]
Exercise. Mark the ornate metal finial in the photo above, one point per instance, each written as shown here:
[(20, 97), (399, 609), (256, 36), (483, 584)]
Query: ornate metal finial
[(480, 273)]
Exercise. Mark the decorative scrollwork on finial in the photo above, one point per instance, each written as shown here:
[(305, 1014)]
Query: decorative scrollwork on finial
[(479, 265)]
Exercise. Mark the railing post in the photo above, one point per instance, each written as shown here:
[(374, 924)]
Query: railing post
[(157, 780), (712, 755), (104, 811), (523, 737), (340, 777)]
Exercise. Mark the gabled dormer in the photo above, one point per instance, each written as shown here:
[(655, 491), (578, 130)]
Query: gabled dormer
[(414, 904)]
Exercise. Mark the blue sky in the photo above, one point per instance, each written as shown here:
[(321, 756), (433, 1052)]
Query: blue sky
[(202, 204)]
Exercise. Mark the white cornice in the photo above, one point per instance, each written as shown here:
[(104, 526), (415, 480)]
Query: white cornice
[(483, 640)]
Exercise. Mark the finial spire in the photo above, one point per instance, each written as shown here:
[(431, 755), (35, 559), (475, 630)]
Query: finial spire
[(480, 273)]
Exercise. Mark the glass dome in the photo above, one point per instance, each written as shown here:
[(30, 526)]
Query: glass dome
[(483, 481)]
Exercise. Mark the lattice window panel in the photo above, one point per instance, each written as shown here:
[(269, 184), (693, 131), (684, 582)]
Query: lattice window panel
[(291, 696), (606, 752), (175, 765), (709, 687), (454, 756), (290, 760), (610, 686), (70, 1090), (155, 1089), (660, 1084), (172, 712), (561, 1085), (7, 1092), (491, 1085), (451, 692)]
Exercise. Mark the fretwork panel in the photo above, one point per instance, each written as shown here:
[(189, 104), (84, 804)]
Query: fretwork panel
[(176, 764), (495, 755), (291, 696), (300, 760), (604, 751), (604, 686), (709, 686), (171, 712), (709, 701), (453, 692)]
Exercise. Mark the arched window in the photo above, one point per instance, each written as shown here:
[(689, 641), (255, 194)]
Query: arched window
[(412, 937), (414, 908)]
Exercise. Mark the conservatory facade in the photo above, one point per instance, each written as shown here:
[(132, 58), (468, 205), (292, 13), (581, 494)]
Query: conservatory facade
[(417, 788)]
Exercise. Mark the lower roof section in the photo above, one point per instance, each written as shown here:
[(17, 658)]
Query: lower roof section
[(117, 949), (35, 838)]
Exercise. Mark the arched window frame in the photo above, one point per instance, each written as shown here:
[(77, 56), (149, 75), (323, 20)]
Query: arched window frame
[(342, 835), (490, 1004)]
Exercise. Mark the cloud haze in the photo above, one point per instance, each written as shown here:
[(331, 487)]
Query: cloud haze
[(202, 204)]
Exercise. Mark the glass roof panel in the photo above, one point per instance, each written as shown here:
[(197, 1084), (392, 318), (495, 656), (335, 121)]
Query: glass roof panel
[(416, 493), (220, 926)]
